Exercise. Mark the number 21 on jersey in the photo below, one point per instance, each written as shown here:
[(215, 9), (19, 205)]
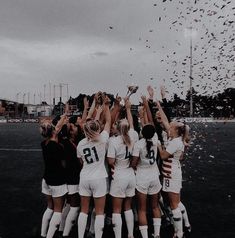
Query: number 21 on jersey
[(90, 155)]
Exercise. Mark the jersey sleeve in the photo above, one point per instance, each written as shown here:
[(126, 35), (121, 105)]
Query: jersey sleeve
[(111, 149), (136, 150), (133, 135), (172, 147), (104, 135), (78, 151)]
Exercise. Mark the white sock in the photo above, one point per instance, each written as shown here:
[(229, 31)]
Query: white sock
[(70, 220), (117, 225), (129, 217), (99, 226), (54, 224), (178, 223), (82, 220), (65, 212), (184, 214), (156, 226), (144, 231), (92, 225), (45, 221)]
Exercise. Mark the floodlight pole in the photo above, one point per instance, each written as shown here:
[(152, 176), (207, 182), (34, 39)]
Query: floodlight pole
[(191, 72)]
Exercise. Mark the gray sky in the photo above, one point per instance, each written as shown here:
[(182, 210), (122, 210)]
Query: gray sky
[(107, 44)]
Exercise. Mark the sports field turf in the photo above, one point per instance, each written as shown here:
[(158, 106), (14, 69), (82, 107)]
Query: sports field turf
[(208, 188)]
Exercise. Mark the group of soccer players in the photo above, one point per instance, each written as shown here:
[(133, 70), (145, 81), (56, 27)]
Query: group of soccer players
[(107, 150)]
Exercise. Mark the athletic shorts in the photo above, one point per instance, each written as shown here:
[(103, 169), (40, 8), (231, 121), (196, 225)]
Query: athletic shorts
[(95, 188), (123, 187), (148, 187), (72, 189), (54, 191), (172, 185)]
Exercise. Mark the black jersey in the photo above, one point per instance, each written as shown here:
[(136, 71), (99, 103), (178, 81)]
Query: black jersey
[(73, 165), (53, 155)]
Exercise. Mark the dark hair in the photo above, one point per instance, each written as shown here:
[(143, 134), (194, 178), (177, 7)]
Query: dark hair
[(148, 133), (73, 119), (55, 120)]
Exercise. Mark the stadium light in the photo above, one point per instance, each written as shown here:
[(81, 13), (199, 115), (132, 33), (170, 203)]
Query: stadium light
[(191, 33)]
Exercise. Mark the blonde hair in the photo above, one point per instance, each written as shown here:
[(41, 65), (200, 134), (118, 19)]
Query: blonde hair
[(91, 129), (123, 127), (46, 129)]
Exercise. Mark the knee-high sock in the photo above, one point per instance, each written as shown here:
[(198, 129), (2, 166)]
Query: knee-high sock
[(184, 214), (144, 231), (82, 220), (65, 212), (70, 220), (156, 226), (54, 224), (117, 225), (129, 217), (178, 223), (45, 221), (99, 226), (92, 224)]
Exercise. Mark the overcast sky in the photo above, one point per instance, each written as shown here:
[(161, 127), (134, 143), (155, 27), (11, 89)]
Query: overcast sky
[(108, 44)]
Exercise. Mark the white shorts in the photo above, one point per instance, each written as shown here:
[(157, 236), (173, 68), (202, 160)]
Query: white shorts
[(149, 187), (72, 189), (124, 187), (172, 185), (54, 191), (96, 188)]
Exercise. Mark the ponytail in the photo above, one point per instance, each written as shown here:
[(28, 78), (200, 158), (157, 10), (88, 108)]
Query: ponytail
[(148, 133), (149, 145), (123, 128), (183, 131)]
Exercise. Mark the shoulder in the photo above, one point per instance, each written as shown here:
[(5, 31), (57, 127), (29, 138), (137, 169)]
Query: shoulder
[(104, 136)]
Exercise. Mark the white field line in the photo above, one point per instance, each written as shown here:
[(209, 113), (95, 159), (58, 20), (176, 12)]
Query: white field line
[(20, 150)]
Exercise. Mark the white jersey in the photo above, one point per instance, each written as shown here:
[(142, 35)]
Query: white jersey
[(121, 153), (165, 138), (147, 167), (93, 155), (172, 166)]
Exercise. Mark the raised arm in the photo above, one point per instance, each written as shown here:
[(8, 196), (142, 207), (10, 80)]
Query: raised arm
[(128, 113), (147, 109), (116, 109), (85, 110), (107, 116), (163, 116), (92, 108)]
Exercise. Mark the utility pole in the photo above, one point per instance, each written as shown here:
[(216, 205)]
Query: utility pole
[(191, 72), (60, 98)]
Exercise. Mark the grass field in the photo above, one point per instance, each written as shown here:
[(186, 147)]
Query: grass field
[(208, 188)]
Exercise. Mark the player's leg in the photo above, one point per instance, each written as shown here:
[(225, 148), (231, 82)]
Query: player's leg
[(129, 216), (47, 215), (143, 225), (99, 220), (82, 218), (156, 214), (116, 216), (174, 199), (58, 203)]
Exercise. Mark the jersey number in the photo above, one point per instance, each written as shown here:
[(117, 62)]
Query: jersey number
[(88, 155), (128, 154), (151, 157)]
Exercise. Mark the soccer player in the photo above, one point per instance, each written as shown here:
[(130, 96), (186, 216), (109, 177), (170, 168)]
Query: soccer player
[(93, 177), (123, 183), (172, 181), (54, 180), (147, 179)]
